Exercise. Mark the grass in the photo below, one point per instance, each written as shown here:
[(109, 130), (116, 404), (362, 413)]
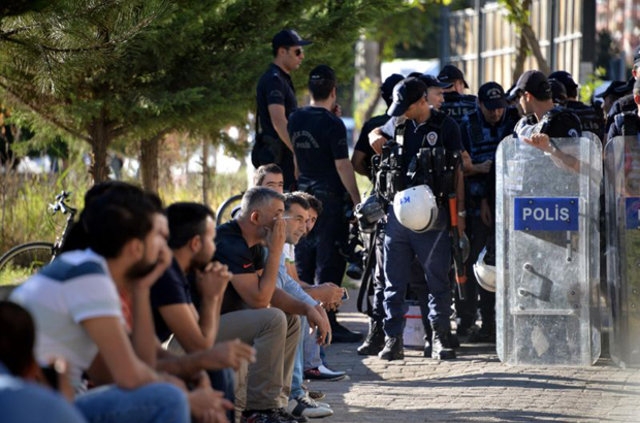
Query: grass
[(24, 200)]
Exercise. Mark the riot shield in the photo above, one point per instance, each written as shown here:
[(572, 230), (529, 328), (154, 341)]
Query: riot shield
[(547, 252), (622, 189)]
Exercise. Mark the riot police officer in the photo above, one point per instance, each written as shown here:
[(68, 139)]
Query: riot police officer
[(590, 119), (481, 133), (426, 150)]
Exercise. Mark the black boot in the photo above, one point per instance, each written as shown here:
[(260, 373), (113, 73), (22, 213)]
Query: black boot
[(441, 348), (340, 333), (427, 341), (393, 349), (374, 342)]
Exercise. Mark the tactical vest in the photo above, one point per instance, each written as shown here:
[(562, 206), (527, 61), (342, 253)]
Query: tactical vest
[(627, 122), (483, 144), (528, 126), (590, 119), (433, 165), (458, 106)]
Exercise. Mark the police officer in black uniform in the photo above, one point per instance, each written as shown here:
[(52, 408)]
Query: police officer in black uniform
[(626, 103), (276, 100), (427, 137), (481, 133), (319, 139), (590, 119)]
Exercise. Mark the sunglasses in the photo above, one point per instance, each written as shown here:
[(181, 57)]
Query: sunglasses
[(298, 52)]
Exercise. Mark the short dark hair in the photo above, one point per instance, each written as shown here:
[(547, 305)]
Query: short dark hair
[(322, 80), (17, 338), (295, 198), (118, 215), (314, 203), (262, 171), (256, 198), (187, 220)]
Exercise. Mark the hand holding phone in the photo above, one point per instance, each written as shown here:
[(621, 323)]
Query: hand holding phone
[(345, 294)]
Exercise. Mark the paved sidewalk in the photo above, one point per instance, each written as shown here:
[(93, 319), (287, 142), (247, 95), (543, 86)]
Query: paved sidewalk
[(476, 387)]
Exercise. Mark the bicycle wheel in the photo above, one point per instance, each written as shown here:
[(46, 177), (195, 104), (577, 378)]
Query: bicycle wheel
[(228, 209), (23, 260)]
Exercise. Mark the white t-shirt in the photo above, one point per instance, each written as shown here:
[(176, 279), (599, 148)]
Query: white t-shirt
[(75, 287)]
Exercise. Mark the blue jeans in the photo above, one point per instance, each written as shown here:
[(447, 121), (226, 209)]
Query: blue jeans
[(26, 402), (432, 249), (298, 370), (152, 403)]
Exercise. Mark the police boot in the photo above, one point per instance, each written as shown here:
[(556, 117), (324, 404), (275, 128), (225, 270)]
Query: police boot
[(340, 333), (441, 348), (393, 349), (374, 342), (427, 341)]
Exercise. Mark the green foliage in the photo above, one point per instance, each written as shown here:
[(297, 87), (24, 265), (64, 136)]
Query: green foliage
[(593, 81), (111, 70)]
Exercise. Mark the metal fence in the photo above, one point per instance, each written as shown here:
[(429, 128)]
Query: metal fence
[(485, 47)]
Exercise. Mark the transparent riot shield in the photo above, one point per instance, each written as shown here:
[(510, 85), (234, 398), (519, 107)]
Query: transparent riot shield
[(547, 252), (622, 188)]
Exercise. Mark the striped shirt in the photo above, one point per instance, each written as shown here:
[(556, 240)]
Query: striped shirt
[(75, 287)]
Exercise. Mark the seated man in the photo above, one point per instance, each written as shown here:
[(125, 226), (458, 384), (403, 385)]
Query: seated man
[(296, 216), (253, 286), (205, 402), (19, 374), (77, 311), (192, 231)]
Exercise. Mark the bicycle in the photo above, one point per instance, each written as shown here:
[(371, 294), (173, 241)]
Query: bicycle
[(227, 210), (23, 260)]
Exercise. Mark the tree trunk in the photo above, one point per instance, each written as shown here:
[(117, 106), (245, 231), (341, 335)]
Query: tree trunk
[(534, 45), (373, 101), (149, 150), (100, 139), (521, 56), (206, 178)]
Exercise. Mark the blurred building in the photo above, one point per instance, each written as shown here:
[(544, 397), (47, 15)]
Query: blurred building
[(621, 18)]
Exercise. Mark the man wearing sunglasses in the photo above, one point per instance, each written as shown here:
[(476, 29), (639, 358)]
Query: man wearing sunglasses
[(276, 100)]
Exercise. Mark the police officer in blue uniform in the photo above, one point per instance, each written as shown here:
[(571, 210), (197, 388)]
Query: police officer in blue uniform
[(590, 119), (481, 133), (276, 100), (417, 223), (456, 104)]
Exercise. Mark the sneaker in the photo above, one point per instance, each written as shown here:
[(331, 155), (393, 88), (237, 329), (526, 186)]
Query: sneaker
[(316, 395), (303, 406), (278, 415), (323, 373)]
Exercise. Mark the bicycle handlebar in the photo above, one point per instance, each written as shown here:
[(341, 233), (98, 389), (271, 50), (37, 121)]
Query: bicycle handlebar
[(61, 205)]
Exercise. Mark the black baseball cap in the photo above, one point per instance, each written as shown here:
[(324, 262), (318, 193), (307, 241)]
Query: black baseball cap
[(386, 89), (405, 93), (432, 81), (533, 82), (617, 88), (450, 73), (288, 38), (567, 80), (492, 96), (322, 72)]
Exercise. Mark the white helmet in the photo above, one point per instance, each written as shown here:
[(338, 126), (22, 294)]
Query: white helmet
[(485, 273), (416, 208)]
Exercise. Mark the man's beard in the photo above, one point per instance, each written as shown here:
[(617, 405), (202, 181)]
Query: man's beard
[(140, 269)]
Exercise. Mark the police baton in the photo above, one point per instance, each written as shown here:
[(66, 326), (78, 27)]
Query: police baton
[(458, 260)]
